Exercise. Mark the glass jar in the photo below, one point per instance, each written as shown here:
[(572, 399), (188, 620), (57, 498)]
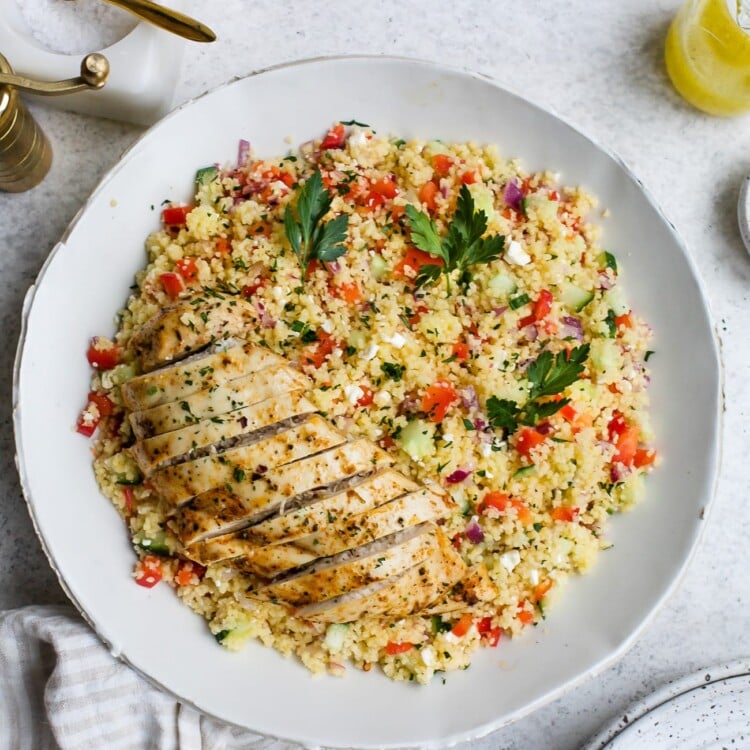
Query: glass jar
[(708, 55)]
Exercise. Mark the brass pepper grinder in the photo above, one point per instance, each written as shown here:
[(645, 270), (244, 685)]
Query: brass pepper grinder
[(25, 153)]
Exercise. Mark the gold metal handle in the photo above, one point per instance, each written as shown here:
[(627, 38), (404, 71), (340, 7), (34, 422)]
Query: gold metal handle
[(94, 74), (168, 19)]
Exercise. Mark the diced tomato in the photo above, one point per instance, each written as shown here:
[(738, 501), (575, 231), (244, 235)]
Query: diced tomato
[(541, 589), (251, 289), (461, 628), (172, 284), (484, 625), (437, 399), (223, 246), (414, 259), (470, 177), (527, 320), (617, 425), (502, 502), (385, 186), (128, 495), (526, 186), (568, 413), (460, 351), (274, 173), (187, 268), (397, 212), (102, 358), (624, 321), (316, 354), (349, 292), (416, 315), (367, 396), (392, 648), (427, 194), (175, 216), (334, 137), (87, 424), (524, 615), (644, 457), (527, 440), (564, 514), (626, 446), (457, 541), (372, 201), (543, 305), (442, 164), (187, 571), (493, 636), (103, 404), (148, 572), (554, 195)]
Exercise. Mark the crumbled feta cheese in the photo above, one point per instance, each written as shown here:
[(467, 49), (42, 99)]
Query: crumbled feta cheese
[(327, 325), (485, 449), (370, 352), (358, 137), (534, 577), (510, 559), (382, 398), (516, 255), (428, 656), (397, 340), (278, 292), (450, 637), (353, 393), (447, 437)]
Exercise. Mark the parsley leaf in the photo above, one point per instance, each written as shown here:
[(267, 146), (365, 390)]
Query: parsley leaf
[(461, 247), (309, 237), (547, 376), (392, 370)]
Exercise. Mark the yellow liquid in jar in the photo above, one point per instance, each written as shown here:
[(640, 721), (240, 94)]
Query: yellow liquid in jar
[(708, 57)]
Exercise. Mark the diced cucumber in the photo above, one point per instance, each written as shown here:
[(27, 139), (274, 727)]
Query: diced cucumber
[(575, 298), (502, 286), (542, 207), (436, 147), (416, 439), (524, 471), (205, 175), (615, 299), (357, 339), (122, 373), (335, 636), (520, 301), (378, 267), (156, 544), (607, 260), (632, 489), (234, 638), (606, 358), (484, 199)]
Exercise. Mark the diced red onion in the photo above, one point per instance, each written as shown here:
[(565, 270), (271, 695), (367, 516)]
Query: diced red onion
[(333, 266), (531, 332), (266, 321), (605, 281), (499, 310), (458, 476), (572, 327), (243, 152), (473, 531), (444, 187), (617, 472), (544, 428), (480, 425), (513, 195), (469, 397)]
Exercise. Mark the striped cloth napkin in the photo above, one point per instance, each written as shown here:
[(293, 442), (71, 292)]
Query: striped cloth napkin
[(60, 689)]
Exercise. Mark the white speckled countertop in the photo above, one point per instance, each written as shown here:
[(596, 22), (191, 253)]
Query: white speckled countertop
[(600, 66)]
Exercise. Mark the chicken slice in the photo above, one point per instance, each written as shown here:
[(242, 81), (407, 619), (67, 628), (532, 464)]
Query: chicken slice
[(476, 586), (392, 517), (217, 400), (219, 433), (332, 576), (376, 489), (181, 482), (223, 511), (189, 325), (398, 596), (205, 370)]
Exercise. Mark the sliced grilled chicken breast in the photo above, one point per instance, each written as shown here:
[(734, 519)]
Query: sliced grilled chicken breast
[(476, 586), (221, 432), (181, 482), (217, 400), (223, 511), (315, 516), (398, 596), (332, 576), (392, 517), (189, 325)]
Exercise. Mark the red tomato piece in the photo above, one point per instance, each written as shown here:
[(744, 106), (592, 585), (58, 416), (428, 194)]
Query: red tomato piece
[(334, 137), (102, 358), (373, 200), (461, 628), (385, 186), (543, 305), (367, 396), (564, 514), (460, 351), (414, 259), (251, 289), (568, 413), (527, 440), (626, 447), (524, 615), (397, 212), (437, 399), (484, 625), (470, 177), (187, 268), (86, 425), (223, 246), (442, 164), (316, 354), (526, 321), (103, 404), (175, 216), (348, 292), (644, 457), (493, 637), (392, 648), (541, 589), (188, 571), (172, 284), (148, 572), (502, 502), (617, 425), (624, 321), (427, 194)]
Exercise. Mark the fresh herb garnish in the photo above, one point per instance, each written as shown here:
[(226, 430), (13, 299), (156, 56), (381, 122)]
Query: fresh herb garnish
[(392, 370), (309, 236), (461, 247), (354, 122), (519, 301), (547, 376), (611, 325)]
